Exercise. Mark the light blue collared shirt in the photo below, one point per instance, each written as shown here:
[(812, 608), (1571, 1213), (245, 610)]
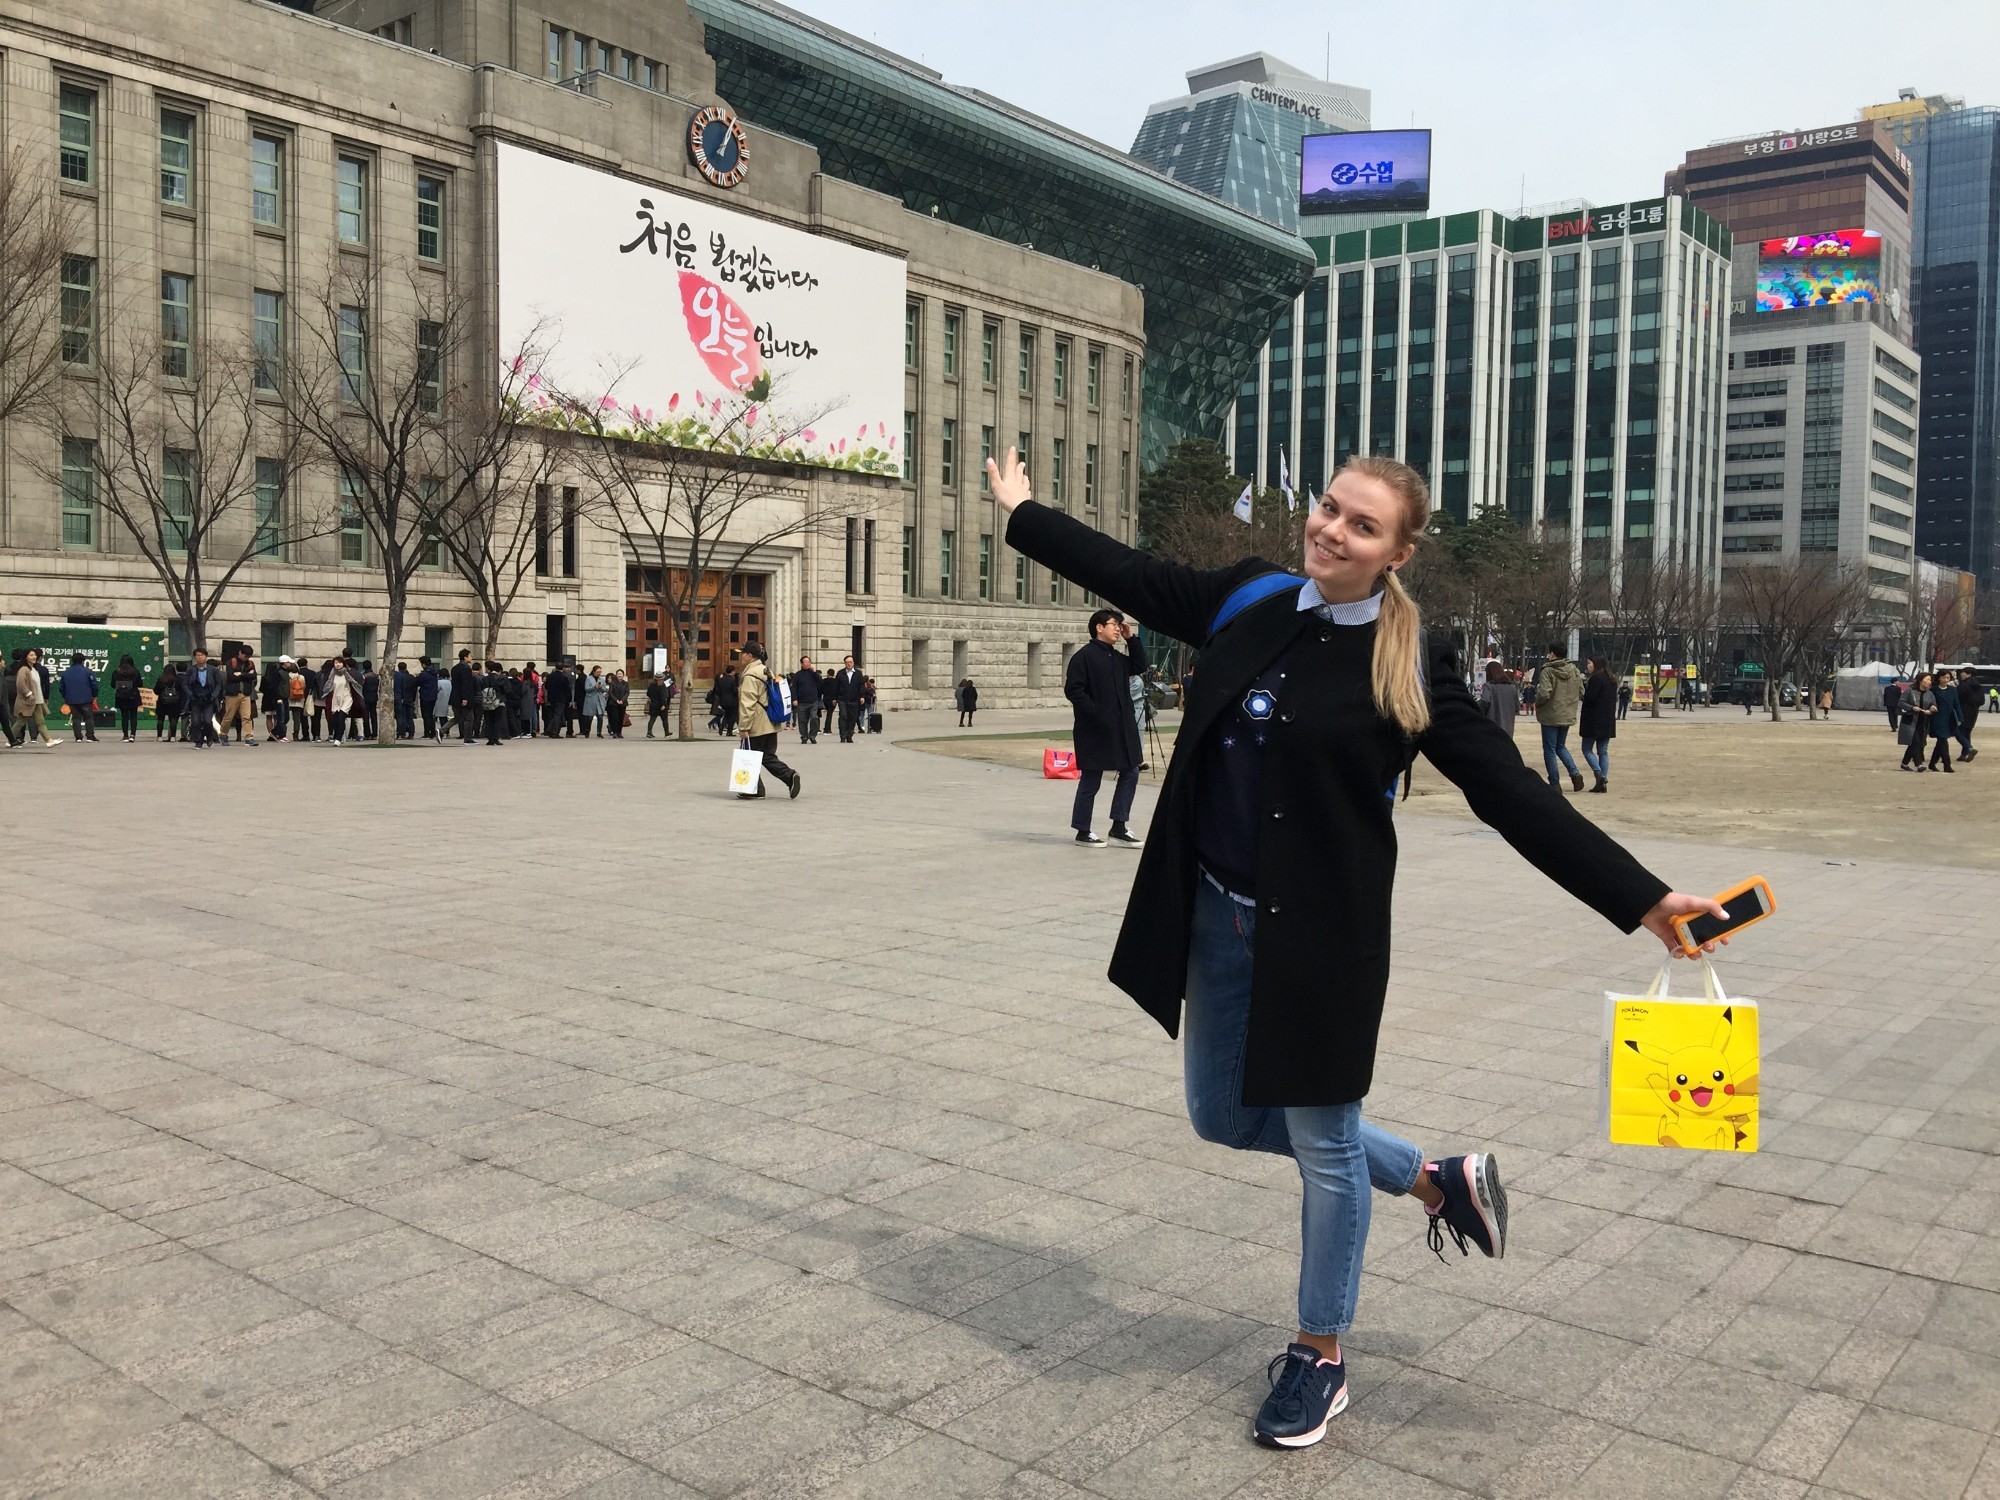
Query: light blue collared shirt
[(1361, 612)]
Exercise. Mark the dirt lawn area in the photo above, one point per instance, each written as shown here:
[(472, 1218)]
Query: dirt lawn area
[(1825, 787)]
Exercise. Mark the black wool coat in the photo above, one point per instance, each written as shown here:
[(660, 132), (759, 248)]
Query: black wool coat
[(1597, 718), (1326, 861), (1097, 684)]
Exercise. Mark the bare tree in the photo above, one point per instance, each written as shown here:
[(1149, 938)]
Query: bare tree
[(36, 321), (1792, 607), (492, 517), (694, 499), (1653, 607), (374, 391), (1207, 537), (202, 476)]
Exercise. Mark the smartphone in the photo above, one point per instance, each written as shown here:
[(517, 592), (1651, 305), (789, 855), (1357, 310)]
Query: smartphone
[(1749, 902)]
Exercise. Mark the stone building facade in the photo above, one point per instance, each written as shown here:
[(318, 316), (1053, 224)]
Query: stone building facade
[(220, 178)]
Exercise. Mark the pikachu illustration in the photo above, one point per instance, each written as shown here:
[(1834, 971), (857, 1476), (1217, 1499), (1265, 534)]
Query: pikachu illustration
[(1684, 1075)]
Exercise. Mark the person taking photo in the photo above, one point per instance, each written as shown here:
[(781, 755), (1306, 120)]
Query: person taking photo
[(1260, 914)]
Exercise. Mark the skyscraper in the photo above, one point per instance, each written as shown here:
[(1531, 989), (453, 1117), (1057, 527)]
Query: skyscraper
[(1235, 134), (1954, 156)]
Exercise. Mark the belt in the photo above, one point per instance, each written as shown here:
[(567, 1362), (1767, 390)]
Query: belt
[(1250, 901)]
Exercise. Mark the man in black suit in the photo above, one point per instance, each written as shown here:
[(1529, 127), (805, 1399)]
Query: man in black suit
[(1098, 686), (556, 687), (201, 692), (465, 696), (847, 684)]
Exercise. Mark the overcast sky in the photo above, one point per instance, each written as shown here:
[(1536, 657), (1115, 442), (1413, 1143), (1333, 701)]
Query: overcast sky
[(1583, 98)]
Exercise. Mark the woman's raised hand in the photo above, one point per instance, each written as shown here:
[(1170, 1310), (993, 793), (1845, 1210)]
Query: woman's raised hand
[(1010, 480)]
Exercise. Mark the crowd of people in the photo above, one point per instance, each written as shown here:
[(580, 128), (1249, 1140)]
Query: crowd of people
[(1940, 708), (845, 696)]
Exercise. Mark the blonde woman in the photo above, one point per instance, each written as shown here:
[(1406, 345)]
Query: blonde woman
[(1263, 893)]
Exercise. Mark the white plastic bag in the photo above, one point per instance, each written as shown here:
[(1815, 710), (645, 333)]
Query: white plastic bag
[(746, 771)]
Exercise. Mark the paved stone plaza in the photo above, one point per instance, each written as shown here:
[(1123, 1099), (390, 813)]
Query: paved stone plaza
[(436, 1124)]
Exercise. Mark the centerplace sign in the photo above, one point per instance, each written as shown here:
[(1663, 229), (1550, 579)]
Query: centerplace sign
[(663, 314)]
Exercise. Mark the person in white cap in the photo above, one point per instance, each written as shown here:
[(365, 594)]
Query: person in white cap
[(276, 692)]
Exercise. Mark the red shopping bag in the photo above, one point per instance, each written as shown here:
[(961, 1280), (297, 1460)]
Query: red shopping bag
[(1060, 765)]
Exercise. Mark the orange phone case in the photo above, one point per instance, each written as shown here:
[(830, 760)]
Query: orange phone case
[(1770, 906)]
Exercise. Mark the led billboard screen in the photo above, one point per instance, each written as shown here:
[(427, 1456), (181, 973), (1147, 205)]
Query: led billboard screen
[(1819, 270), (696, 308), (1365, 171)]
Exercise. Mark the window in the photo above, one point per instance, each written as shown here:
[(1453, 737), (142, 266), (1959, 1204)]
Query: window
[(1881, 515), (361, 642), (1884, 454), (430, 367), (271, 510), (267, 180), (1025, 448), (1061, 373), (1763, 541), (430, 551), (1765, 511), (352, 201), (176, 158), (1090, 476), (176, 324), (1763, 359), (909, 560), (912, 314), (948, 454), (176, 498), (1055, 588), (1899, 430), (430, 218), (1125, 483), (78, 151), (853, 557), (655, 76), (985, 453), (572, 531), (627, 65), (1125, 390), (351, 339), (554, 66), (1901, 400), (1056, 456), (867, 557), (267, 339), (1825, 354), (1771, 479), (951, 345), (353, 533), (1881, 546), (909, 447), (1743, 390), (1093, 375), (79, 492), (600, 60), (1021, 581), (989, 345), (1895, 367), (437, 642), (1754, 450), (274, 640), (1027, 374), (1881, 484), (79, 309), (1748, 421), (579, 54), (947, 546), (985, 566)]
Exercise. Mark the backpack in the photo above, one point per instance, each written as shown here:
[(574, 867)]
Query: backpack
[(778, 700), (1263, 587), (489, 698)]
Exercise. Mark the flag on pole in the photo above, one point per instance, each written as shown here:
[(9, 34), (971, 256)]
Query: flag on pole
[(1311, 500), (1241, 509), (1285, 482)]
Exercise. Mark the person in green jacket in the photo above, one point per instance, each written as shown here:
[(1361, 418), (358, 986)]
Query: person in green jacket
[(1558, 696)]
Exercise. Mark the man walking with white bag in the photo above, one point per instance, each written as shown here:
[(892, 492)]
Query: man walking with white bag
[(753, 717)]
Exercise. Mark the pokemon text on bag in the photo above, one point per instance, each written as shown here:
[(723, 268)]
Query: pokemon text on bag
[(1681, 1072)]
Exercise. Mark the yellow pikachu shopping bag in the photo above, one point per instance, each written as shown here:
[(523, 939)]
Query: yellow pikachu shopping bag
[(1681, 1072)]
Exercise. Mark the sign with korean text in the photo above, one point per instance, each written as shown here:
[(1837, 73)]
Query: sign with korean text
[(1365, 171), (1772, 144), (666, 313)]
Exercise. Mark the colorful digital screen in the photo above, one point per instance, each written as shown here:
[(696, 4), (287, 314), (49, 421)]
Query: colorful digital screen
[(1365, 171), (1819, 270)]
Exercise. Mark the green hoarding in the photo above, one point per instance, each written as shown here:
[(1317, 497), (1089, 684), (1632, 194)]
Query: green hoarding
[(102, 648)]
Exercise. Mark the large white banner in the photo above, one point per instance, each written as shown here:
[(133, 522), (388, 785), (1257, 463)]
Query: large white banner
[(672, 318)]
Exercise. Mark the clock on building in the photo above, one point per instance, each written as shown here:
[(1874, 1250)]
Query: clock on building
[(718, 145)]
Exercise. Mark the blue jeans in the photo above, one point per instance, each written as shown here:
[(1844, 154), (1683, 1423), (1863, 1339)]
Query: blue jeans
[(1339, 1154), (1597, 755), (1555, 747)]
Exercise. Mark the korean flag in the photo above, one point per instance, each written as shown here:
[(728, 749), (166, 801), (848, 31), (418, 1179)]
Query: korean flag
[(1241, 509)]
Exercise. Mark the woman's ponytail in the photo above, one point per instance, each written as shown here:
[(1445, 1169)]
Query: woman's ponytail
[(1397, 674)]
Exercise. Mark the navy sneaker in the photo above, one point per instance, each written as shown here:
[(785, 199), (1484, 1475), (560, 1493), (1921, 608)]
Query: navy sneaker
[(1308, 1390), (1475, 1205)]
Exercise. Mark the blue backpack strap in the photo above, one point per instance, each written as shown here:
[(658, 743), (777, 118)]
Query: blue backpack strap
[(1254, 592)]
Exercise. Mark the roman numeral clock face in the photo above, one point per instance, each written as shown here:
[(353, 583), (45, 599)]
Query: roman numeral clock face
[(718, 145)]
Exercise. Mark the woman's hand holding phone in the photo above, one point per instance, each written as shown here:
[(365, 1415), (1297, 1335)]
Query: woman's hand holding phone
[(1660, 920)]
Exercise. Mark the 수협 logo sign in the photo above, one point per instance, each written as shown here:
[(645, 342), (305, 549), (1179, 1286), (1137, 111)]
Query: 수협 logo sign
[(718, 145)]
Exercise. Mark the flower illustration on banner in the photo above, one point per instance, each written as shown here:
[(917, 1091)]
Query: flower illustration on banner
[(722, 332)]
